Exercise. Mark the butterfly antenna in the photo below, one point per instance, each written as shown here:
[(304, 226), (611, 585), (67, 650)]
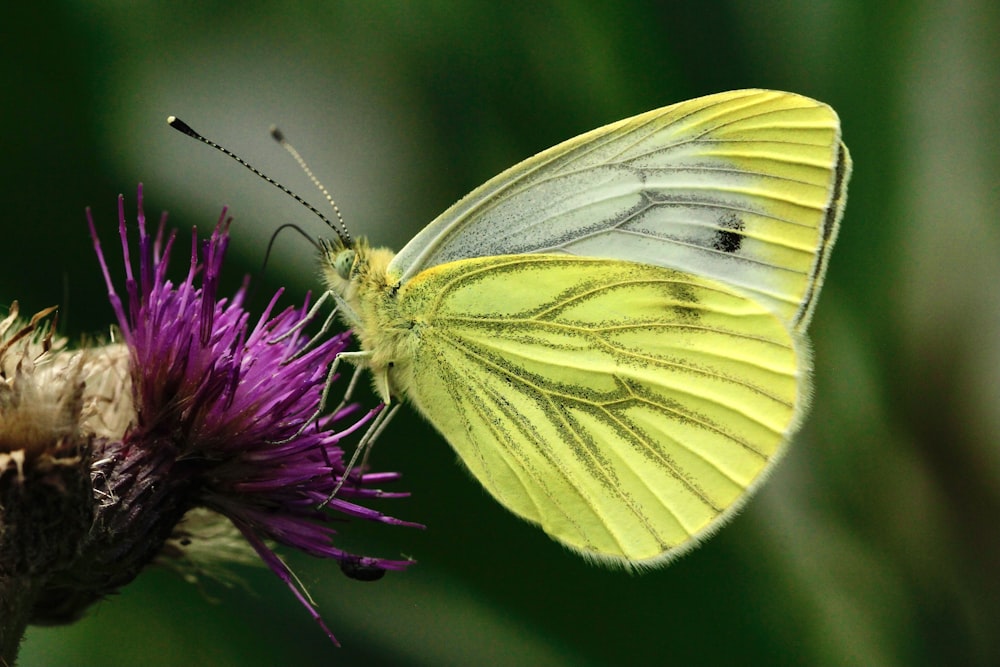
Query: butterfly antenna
[(267, 258), (184, 128), (274, 237), (280, 138)]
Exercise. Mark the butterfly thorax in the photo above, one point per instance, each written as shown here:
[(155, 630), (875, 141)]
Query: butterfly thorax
[(367, 295)]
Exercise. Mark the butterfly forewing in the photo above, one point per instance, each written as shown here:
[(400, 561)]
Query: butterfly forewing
[(746, 187), (625, 408)]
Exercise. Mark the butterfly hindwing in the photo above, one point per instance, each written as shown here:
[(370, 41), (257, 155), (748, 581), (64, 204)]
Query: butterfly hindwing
[(625, 408)]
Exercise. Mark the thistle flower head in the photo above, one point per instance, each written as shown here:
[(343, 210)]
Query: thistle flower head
[(36, 410), (41, 448), (220, 402), (54, 405)]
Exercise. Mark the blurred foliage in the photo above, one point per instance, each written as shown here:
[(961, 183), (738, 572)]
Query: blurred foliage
[(876, 540)]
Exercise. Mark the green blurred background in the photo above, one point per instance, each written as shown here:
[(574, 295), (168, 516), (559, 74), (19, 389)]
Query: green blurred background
[(875, 542)]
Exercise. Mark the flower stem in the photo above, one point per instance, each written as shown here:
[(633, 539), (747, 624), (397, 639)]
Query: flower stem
[(17, 597)]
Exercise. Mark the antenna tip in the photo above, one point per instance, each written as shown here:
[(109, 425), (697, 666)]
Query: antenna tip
[(277, 134), (181, 126)]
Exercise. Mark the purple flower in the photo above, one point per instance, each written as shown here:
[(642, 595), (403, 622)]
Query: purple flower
[(219, 403)]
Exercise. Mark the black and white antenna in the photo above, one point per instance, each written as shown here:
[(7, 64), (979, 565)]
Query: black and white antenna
[(340, 229)]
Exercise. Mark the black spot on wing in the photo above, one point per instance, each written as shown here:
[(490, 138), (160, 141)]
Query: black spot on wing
[(729, 236)]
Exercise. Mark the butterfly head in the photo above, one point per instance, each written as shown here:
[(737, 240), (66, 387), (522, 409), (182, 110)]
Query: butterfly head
[(352, 269), (366, 292)]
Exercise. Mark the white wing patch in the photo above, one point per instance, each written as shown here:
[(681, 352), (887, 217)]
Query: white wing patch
[(745, 187)]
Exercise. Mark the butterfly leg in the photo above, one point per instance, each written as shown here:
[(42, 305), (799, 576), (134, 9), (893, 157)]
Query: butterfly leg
[(325, 329), (367, 440), (359, 367), (327, 325), (356, 358)]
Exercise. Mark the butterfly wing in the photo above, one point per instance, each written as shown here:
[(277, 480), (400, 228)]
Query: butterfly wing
[(625, 408), (745, 186)]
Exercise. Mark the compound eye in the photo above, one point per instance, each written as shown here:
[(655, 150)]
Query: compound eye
[(343, 263)]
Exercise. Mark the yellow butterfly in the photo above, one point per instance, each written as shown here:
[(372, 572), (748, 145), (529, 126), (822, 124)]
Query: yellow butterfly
[(611, 334)]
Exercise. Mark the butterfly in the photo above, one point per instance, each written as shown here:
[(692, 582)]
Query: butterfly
[(612, 333)]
